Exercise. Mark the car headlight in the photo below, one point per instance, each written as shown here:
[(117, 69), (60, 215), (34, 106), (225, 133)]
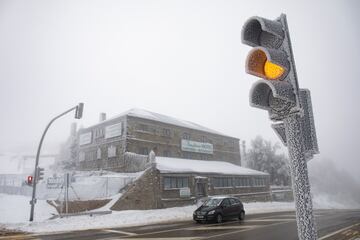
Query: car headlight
[(211, 212)]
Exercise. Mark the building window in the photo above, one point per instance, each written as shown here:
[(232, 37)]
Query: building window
[(166, 153), (144, 151), (222, 182), (81, 156), (203, 139), (259, 182), (166, 132), (90, 156), (176, 182), (187, 155), (111, 151), (186, 136), (242, 182), (98, 154), (143, 127)]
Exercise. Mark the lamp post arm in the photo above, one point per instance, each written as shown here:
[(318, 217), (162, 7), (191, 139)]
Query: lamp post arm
[(32, 202)]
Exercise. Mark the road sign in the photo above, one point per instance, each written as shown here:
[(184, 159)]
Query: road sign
[(54, 182)]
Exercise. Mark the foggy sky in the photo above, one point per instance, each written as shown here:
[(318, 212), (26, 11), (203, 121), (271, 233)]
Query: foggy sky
[(179, 58)]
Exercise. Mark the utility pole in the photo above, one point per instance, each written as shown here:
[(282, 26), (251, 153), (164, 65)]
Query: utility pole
[(78, 114), (288, 106)]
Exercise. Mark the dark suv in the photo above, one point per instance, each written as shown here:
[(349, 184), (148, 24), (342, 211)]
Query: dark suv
[(219, 208)]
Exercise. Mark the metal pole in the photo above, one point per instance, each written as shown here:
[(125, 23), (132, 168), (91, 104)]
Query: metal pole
[(33, 199), (107, 186), (300, 180), (67, 194)]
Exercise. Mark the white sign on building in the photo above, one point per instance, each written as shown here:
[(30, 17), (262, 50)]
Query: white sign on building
[(85, 138), (113, 130), (197, 147)]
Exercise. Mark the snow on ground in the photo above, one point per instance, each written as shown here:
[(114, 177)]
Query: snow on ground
[(16, 208), (14, 214)]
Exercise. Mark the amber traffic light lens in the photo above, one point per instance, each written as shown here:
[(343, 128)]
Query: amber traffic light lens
[(273, 71), (259, 63)]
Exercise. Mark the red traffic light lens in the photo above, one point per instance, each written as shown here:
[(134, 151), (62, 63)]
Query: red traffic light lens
[(30, 179)]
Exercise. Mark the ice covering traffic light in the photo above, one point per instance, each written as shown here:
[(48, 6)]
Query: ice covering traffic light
[(278, 92), (272, 60)]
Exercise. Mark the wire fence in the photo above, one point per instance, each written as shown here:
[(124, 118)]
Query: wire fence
[(80, 187)]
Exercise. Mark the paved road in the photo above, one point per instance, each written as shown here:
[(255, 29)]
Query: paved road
[(331, 225)]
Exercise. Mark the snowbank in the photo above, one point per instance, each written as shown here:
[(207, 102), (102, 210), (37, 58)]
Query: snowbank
[(16, 208), (14, 213)]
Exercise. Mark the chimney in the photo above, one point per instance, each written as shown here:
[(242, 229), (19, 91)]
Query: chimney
[(102, 117)]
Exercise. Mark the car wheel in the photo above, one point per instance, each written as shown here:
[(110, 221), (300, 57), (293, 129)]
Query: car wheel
[(242, 216), (219, 218)]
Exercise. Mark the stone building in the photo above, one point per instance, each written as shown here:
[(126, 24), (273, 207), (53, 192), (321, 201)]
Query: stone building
[(177, 182), (191, 161), (105, 145)]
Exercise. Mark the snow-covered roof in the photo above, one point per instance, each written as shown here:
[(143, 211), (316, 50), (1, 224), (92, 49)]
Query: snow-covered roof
[(179, 165), (141, 113)]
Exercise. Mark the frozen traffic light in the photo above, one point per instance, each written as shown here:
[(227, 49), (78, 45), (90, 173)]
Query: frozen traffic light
[(272, 60)]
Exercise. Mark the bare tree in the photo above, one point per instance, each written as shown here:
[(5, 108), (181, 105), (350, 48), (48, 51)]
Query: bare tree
[(263, 156)]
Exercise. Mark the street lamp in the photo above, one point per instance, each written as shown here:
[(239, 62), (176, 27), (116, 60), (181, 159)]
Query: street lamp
[(78, 114)]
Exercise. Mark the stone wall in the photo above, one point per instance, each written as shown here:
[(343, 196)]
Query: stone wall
[(78, 206), (146, 134), (90, 159), (141, 135), (142, 194), (134, 162)]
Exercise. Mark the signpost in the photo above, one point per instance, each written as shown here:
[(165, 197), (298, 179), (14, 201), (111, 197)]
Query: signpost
[(289, 106)]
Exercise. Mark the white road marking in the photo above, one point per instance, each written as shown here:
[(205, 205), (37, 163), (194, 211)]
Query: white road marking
[(243, 230), (223, 227), (19, 236), (120, 232), (338, 231), (168, 238), (271, 220)]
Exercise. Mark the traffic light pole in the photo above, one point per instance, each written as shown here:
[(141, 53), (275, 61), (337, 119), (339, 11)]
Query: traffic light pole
[(300, 180), (278, 92), (33, 199)]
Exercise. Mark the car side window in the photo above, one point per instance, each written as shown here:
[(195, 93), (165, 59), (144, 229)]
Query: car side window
[(225, 203), (233, 201)]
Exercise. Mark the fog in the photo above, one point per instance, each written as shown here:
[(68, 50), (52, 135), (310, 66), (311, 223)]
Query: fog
[(179, 58), (334, 185)]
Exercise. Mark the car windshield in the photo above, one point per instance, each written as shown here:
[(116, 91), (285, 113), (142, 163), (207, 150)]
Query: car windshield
[(212, 202)]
